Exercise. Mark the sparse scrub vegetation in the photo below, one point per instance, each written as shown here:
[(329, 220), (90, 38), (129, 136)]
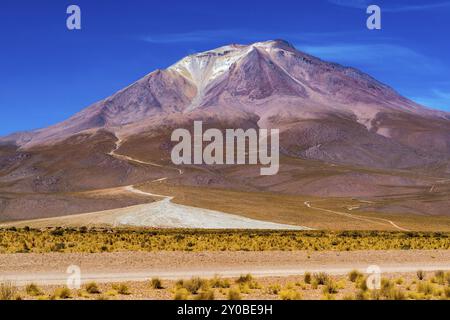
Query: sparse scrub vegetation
[(181, 294), (244, 279), (321, 278), (274, 289), (307, 277), (341, 284), (111, 293), (244, 288), (330, 287), (354, 275), (447, 278), (439, 277), (447, 292), (420, 274), (426, 288), (205, 295), (234, 294), (362, 295), (156, 283), (62, 293), (301, 285), (290, 294), (26, 240), (33, 290), (122, 289), (396, 294), (246, 282), (415, 296), (8, 291), (386, 286), (217, 282), (92, 288), (336, 287), (193, 285), (361, 284), (327, 296), (389, 291)]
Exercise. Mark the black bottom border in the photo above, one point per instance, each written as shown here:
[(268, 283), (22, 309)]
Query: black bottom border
[(221, 309)]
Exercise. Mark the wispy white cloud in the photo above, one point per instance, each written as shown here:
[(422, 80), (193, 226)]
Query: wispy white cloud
[(363, 4), (244, 35), (374, 55), (418, 7), (359, 52), (386, 56), (325, 45), (191, 36), (359, 4), (436, 98)]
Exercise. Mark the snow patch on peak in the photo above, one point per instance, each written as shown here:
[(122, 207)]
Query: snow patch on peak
[(203, 68), (274, 44)]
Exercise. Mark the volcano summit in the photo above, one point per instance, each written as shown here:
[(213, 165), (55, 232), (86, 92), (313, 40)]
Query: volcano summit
[(342, 134)]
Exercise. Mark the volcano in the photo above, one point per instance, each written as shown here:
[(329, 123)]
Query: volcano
[(342, 133)]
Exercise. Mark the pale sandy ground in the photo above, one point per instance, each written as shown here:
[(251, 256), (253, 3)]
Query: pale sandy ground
[(142, 290), (160, 214), (140, 266)]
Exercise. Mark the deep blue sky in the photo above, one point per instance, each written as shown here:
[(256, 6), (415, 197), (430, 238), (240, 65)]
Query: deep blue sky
[(48, 73)]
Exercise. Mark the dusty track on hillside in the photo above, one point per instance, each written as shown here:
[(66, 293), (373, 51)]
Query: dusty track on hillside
[(354, 216), (162, 213)]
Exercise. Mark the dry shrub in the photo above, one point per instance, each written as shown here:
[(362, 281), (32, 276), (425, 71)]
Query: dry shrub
[(7, 291), (330, 287), (193, 285), (245, 279), (426, 288), (156, 283), (321, 278), (62, 293), (274, 288), (307, 278), (205, 295), (92, 288), (217, 282), (181, 294), (420, 275), (234, 294), (122, 288), (290, 294), (33, 290), (354, 275)]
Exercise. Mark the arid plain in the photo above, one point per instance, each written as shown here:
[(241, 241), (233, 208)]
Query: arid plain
[(364, 180)]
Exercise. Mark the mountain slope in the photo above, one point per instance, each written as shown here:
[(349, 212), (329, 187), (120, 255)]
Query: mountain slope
[(267, 78), (325, 112)]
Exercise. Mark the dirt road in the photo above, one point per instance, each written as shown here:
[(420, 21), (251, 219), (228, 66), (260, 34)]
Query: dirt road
[(354, 216), (141, 266)]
